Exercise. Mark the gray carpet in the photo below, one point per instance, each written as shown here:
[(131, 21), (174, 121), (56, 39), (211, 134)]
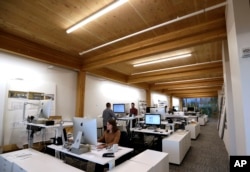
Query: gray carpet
[(207, 152)]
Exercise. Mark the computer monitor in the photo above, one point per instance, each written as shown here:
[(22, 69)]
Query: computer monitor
[(88, 127), (46, 107), (190, 109), (152, 119), (159, 110), (119, 108)]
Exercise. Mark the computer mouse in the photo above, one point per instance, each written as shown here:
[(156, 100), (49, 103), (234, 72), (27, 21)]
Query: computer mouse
[(108, 155)]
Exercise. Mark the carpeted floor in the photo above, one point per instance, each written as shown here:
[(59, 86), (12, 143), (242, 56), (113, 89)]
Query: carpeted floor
[(207, 152)]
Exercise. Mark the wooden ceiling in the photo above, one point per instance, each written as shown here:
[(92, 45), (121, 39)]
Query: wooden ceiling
[(37, 29)]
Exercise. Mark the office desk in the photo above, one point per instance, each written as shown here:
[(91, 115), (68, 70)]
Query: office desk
[(44, 127), (162, 132), (166, 123), (30, 160), (144, 162), (129, 119), (96, 155), (129, 166)]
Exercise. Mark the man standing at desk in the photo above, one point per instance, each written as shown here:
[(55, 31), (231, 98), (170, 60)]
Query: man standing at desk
[(107, 115), (133, 111)]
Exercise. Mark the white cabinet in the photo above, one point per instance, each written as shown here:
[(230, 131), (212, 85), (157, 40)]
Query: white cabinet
[(203, 119), (177, 145), (6, 162), (159, 163), (147, 161), (194, 128)]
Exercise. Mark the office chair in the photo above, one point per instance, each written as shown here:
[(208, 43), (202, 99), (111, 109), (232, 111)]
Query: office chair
[(124, 139)]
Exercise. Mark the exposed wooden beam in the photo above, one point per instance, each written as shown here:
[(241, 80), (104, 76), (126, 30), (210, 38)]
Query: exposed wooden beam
[(177, 75), (186, 68), (194, 95), (114, 76), (185, 85), (196, 90), (107, 73), (31, 50), (159, 48), (204, 27)]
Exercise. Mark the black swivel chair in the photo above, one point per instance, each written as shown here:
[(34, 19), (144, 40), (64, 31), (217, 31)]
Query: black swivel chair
[(124, 139), (125, 142)]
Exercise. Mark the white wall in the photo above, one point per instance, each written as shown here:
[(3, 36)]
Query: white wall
[(238, 31), (12, 67), (97, 91), (157, 97), (100, 91)]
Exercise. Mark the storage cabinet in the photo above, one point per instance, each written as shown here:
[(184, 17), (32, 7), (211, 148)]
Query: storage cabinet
[(194, 128), (203, 119), (177, 145)]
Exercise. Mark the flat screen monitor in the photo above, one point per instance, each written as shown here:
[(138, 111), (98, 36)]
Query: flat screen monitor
[(191, 109), (153, 119), (46, 107), (119, 108), (88, 127), (159, 110)]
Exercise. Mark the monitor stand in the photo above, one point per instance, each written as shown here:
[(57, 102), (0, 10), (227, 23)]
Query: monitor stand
[(77, 147)]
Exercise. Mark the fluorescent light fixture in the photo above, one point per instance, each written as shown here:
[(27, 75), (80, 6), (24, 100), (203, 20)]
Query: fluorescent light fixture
[(177, 67), (162, 60), (200, 79), (96, 15), (155, 27), (184, 88)]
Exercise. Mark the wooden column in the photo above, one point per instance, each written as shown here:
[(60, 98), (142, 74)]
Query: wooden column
[(80, 94), (148, 97), (170, 102)]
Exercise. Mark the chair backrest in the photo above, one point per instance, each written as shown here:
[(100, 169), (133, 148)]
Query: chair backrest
[(124, 139)]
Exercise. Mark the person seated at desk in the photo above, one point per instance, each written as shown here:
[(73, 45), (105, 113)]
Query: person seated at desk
[(111, 135), (172, 110)]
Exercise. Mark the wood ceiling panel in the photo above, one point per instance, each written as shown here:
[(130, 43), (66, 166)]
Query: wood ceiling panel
[(37, 30)]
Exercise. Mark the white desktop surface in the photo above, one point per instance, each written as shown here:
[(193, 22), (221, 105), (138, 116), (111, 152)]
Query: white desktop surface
[(150, 131), (30, 160), (146, 161), (159, 162), (127, 118), (165, 122), (130, 166), (176, 116), (146, 157), (130, 117), (96, 155), (65, 124)]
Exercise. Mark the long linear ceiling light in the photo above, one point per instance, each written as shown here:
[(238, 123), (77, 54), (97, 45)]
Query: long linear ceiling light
[(96, 15), (188, 80), (156, 26), (184, 88), (162, 60), (177, 67)]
